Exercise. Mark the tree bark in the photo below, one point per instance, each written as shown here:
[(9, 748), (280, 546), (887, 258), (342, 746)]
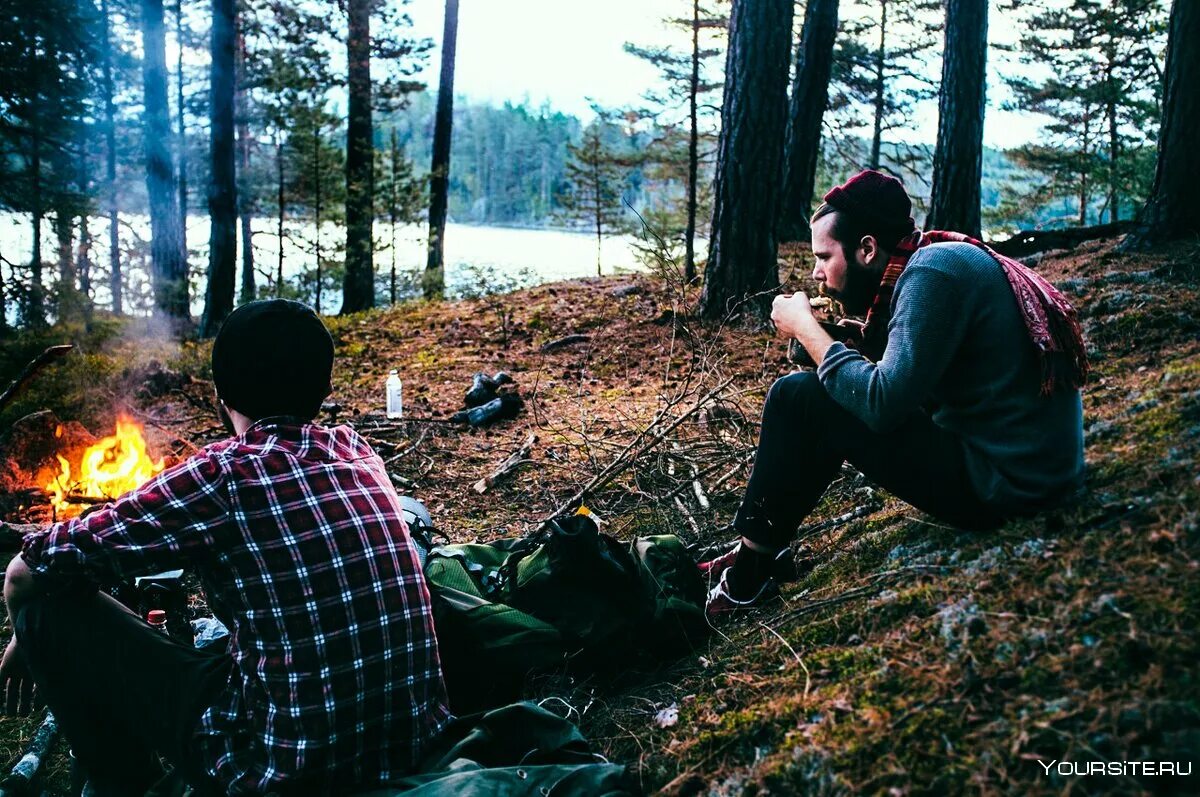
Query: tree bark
[(168, 267), (245, 204), (281, 205), (181, 130), (358, 286), (35, 306), (318, 175), (689, 236), (958, 160), (439, 178), (810, 95), (742, 272), (1173, 210), (115, 286), (222, 186), (880, 87), (83, 257)]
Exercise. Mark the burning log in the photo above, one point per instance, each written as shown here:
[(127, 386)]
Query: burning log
[(21, 778)]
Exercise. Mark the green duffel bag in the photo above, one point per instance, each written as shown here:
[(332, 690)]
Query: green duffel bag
[(566, 595)]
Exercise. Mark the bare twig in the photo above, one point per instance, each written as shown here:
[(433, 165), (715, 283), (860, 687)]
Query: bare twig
[(512, 463), (36, 364)]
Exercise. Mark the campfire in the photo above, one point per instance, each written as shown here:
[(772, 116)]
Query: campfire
[(110, 468)]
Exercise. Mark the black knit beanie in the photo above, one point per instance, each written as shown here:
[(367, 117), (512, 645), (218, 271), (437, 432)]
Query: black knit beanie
[(273, 357)]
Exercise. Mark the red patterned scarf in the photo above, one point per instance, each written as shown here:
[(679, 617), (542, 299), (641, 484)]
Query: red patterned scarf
[(1051, 321)]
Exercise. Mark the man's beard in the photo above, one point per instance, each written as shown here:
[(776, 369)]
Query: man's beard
[(862, 285)]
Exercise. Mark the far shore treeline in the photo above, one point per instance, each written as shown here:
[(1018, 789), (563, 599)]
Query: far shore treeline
[(312, 122)]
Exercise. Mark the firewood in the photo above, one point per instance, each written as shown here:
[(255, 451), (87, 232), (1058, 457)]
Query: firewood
[(512, 463), (36, 364)]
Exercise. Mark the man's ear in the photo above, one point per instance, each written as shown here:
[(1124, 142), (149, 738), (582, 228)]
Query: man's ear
[(869, 248)]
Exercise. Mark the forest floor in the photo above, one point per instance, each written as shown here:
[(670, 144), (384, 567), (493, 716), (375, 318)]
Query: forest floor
[(913, 658)]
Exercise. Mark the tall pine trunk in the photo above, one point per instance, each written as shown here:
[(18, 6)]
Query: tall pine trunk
[(167, 266), (83, 256), (318, 175), (1173, 210), (880, 87), (181, 129), (245, 202), (281, 204), (958, 160), (222, 185), (689, 237), (393, 208), (742, 272), (810, 95), (115, 285), (439, 178), (35, 304), (358, 287)]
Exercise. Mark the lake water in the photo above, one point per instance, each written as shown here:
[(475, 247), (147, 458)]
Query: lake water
[(476, 256)]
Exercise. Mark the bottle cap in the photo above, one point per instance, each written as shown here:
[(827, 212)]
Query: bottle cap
[(156, 617), (393, 371)]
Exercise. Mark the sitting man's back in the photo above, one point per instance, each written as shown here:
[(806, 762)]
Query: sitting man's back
[(331, 678)]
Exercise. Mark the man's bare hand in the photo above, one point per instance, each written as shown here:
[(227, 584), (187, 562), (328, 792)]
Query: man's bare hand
[(792, 314), (20, 696)]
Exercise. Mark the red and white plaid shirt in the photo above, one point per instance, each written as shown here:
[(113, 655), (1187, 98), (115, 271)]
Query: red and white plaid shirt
[(296, 534)]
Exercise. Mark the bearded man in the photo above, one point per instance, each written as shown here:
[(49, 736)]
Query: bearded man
[(963, 398)]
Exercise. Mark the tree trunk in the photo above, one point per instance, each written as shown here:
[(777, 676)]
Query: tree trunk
[(35, 306), (1173, 210), (358, 287), (245, 202), (222, 186), (810, 95), (1114, 155), (280, 202), (115, 286), (689, 237), (742, 269), (439, 178), (880, 86), (83, 257), (958, 160), (393, 210), (64, 234), (167, 265), (318, 175), (181, 129)]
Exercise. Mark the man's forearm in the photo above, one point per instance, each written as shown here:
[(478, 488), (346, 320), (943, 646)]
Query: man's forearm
[(18, 584)]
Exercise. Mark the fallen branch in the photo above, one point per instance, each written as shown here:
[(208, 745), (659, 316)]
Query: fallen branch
[(1028, 242), (25, 770), (37, 364), (514, 460), (562, 343), (633, 451), (410, 449)]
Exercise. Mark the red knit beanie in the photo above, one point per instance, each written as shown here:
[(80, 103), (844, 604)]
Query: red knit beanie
[(875, 198)]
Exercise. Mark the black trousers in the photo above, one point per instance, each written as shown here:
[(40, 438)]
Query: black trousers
[(123, 693), (805, 438)]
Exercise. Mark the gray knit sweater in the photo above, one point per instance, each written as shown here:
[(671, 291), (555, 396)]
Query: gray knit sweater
[(957, 343)]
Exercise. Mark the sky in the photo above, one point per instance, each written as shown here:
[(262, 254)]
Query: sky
[(570, 52)]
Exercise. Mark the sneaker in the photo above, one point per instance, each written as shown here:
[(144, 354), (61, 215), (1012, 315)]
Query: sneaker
[(783, 570), (721, 605)]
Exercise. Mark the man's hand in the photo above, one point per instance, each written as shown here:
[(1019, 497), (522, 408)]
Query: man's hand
[(792, 315), (20, 697)]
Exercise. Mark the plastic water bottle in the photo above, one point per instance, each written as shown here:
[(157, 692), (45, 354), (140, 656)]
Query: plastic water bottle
[(395, 401)]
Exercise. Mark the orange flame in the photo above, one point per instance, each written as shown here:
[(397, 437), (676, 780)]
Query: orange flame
[(109, 469)]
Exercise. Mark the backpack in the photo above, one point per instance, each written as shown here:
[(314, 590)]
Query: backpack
[(566, 595)]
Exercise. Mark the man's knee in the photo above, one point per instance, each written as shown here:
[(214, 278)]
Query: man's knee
[(795, 394)]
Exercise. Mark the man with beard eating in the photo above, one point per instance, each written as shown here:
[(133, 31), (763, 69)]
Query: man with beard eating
[(963, 398)]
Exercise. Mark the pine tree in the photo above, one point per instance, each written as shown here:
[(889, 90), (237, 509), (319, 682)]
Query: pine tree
[(358, 289), (45, 57), (958, 159), (595, 183), (683, 105), (879, 72), (434, 282), (402, 198), (222, 191), (1101, 97), (168, 265), (1173, 210), (742, 269), (810, 97)]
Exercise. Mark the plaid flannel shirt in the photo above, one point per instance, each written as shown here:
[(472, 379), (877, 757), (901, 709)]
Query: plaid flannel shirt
[(297, 535)]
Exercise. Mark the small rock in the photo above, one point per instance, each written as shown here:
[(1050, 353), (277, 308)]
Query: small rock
[(622, 291)]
